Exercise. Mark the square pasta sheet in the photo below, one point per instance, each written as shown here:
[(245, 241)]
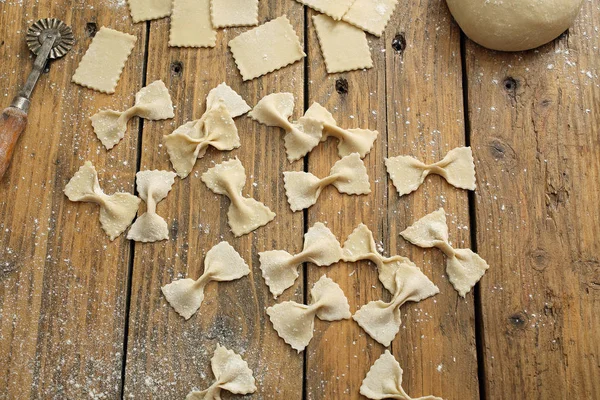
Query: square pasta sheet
[(334, 8), (226, 13), (191, 25), (371, 15), (344, 47), (102, 64), (145, 10), (266, 48)]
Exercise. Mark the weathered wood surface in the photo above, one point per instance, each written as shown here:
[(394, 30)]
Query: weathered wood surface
[(166, 355), (534, 120), (63, 284), (64, 287)]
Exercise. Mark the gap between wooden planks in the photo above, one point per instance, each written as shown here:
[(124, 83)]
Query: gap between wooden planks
[(58, 347)]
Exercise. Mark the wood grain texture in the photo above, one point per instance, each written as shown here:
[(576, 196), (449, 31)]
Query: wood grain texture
[(62, 281), (436, 344), (534, 119), (341, 353), (167, 356)]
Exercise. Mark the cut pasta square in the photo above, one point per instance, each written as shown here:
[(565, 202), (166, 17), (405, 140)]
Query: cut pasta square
[(145, 10), (371, 15), (344, 47), (266, 48), (226, 13), (102, 64), (191, 25), (334, 8)]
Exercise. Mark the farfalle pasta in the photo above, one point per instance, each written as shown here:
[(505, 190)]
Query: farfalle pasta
[(280, 268), (350, 140), (381, 320), (222, 263), (153, 187), (231, 374), (116, 210), (294, 322), (360, 245), (215, 128), (152, 102), (348, 175), (464, 267), (301, 136), (384, 381), (408, 173), (244, 214)]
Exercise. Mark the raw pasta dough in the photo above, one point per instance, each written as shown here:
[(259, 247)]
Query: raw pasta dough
[(300, 137), (231, 374), (222, 263), (371, 15), (408, 173), (152, 102), (334, 8), (215, 128), (344, 47), (153, 187), (244, 214), (348, 175), (116, 210), (384, 381), (266, 48), (382, 320), (226, 13), (464, 267), (350, 140), (295, 322), (360, 245), (191, 25), (145, 10), (102, 64), (513, 25), (280, 268)]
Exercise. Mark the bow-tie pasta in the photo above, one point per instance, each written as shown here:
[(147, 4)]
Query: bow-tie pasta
[(457, 168), (231, 374), (244, 214), (280, 268), (215, 128), (116, 210), (152, 103), (153, 187), (382, 320), (294, 322), (348, 175), (464, 267), (222, 263), (384, 381)]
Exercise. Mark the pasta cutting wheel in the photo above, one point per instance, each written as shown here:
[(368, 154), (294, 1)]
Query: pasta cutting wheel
[(48, 38)]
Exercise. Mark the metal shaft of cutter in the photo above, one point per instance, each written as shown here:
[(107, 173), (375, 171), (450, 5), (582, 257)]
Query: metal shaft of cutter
[(22, 99)]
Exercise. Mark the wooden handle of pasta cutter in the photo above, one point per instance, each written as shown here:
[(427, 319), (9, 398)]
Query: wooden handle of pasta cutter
[(12, 123)]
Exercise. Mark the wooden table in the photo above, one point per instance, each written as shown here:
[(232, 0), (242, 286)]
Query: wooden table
[(82, 317)]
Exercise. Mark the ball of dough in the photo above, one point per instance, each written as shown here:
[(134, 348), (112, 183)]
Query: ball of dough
[(513, 25)]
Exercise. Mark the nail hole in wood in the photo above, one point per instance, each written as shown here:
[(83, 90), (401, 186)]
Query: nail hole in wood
[(91, 28), (399, 43), (341, 86), (519, 320), (176, 68), (510, 84)]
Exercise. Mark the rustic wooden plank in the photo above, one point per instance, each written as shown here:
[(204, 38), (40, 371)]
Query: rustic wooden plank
[(436, 344), (168, 356), (423, 85), (534, 120), (340, 352), (62, 282)]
